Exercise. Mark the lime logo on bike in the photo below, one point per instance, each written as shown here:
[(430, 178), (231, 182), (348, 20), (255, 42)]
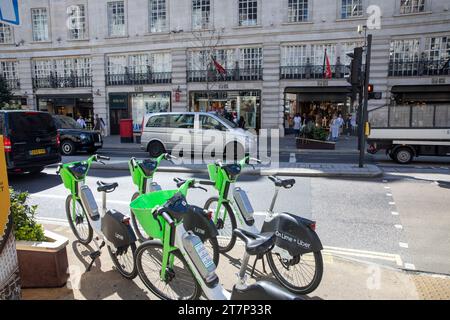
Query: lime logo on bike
[(5, 221), (287, 237)]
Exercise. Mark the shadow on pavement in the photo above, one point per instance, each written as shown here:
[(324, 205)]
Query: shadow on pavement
[(30, 182)]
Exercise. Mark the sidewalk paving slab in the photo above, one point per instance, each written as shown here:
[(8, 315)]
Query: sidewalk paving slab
[(343, 279)]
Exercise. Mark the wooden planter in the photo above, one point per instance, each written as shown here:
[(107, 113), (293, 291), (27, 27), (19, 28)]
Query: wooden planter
[(43, 264), (303, 143)]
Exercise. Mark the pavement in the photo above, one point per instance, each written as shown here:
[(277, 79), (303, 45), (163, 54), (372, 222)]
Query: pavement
[(343, 278)]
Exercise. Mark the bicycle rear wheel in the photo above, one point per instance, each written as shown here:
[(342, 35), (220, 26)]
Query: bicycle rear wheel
[(224, 225), (301, 274), (180, 283), (124, 260)]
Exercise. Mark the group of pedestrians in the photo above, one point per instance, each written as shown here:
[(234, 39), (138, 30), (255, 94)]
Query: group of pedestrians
[(99, 124)]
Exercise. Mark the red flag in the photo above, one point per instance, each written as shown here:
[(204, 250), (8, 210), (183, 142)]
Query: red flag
[(328, 73), (218, 66)]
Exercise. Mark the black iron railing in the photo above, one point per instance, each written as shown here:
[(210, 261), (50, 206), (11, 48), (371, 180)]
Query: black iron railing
[(229, 75), (313, 72), (13, 84), (138, 78), (55, 82), (419, 68)]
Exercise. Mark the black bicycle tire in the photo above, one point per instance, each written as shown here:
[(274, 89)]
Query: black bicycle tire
[(75, 232)]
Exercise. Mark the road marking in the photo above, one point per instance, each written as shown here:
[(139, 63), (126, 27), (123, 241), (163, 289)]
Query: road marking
[(52, 196), (399, 226), (292, 158), (363, 254), (410, 266), (395, 213), (403, 245), (389, 194), (387, 188), (392, 203)]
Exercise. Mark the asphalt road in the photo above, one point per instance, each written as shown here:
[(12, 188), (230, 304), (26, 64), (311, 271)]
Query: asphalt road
[(401, 220)]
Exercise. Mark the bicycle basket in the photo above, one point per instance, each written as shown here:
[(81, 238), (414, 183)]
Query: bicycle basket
[(135, 174), (143, 208)]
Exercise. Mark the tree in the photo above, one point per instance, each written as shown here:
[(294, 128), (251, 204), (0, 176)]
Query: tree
[(5, 93)]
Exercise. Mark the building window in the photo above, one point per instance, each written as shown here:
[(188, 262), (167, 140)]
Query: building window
[(317, 56), (297, 10), (404, 57), (39, 22), (437, 48), (117, 64), (248, 12), (8, 70), (62, 73), (77, 22), (116, 18), (158, 16), (412, 6), (201, 13), (250, 63), (293, 56), (351, 8), (442, 116), (6, 33)]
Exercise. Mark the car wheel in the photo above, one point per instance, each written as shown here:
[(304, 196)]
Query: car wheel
[(67, 148), (403, 155), (155, 149)]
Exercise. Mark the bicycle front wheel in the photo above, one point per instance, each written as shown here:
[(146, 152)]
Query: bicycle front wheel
[(179, 284), (124, 260), (300, 274), (78, 221), (226, 223)]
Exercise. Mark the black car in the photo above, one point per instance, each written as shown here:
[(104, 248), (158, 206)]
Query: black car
[(74, 138), (30, 139)]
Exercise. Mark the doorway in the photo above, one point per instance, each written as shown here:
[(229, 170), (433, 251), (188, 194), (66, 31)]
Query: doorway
[(115, 115)]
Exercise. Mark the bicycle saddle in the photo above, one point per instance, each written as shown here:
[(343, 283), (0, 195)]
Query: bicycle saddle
[(256, 244), (232, 170), (287, 184), (106, 187), (148, 166)]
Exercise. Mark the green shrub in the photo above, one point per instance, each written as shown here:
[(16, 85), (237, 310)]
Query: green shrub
[(25, 226), (312, 132)]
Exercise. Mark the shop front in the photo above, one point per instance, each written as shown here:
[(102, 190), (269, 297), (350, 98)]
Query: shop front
[(318, 104), (135, 106), (68, 105), (235, 105)]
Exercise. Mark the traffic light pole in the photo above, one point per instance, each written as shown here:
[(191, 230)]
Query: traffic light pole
[(364, 113)]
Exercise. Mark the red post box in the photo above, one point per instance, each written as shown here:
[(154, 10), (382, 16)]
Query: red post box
[(126, 130)]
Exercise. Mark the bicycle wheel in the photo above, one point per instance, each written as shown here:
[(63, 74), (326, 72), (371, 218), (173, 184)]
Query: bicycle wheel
[(138, 230), (124, 260), (78, 221), (180, 283), (297, 274), (225, 227)]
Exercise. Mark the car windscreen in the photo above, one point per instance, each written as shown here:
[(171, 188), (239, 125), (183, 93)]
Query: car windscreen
[(67, 123), (24, 125)]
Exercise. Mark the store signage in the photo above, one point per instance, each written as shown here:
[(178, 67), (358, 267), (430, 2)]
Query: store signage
[(322, 83), (139, 89), (118, 101), (438, 81), (224, 86)]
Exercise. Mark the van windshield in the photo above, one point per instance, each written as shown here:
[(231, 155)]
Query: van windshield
[(28, 124)]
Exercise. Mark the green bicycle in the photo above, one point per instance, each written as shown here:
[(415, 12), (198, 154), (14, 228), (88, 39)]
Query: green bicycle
[(84, 217), (160, 263), (296, 259), (143, 172)]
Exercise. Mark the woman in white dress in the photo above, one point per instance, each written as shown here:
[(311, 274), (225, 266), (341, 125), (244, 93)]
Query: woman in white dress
[(334, 128)]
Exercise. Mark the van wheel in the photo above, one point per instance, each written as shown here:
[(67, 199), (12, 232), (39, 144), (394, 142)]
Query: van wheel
[(67, 148), (233, 151), (403, 155), (155, 149)]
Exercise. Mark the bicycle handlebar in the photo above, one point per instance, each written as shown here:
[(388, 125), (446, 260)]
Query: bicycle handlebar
[(103, 158)]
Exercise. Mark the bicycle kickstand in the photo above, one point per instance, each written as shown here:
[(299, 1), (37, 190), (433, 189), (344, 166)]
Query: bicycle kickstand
[(94, 255), (254, 265)]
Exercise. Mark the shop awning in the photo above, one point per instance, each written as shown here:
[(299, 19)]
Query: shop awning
[(430, 93), (330, 94)]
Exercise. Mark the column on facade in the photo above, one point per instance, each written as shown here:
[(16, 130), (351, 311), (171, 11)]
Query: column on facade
[(272, 101), (179, 80), (99, 88), (25, 74)]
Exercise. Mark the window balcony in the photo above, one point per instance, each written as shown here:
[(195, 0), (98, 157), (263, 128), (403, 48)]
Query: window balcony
[(307, 72), (13, 84), (56, 82), (419, 68), (138, 78), (253, 74)]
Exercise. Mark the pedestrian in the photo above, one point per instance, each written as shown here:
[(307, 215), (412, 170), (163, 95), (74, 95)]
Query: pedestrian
[(100, 125), (297, 124), (340, 123), (81, 122), (241, 122), (334, 128)]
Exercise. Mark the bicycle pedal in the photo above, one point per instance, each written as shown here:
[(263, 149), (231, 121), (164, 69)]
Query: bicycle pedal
[(94, 255)]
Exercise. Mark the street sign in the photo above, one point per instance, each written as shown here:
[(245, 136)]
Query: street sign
[(9, 12)]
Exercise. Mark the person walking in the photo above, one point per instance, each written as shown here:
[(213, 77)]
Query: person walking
[(334, 128), (241, 122), (348, 125), (99, 125), (297, 124), (81, 122)]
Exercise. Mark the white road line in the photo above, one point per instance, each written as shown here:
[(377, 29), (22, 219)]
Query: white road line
[(52, 196), (363, 254), (389, 194), (403, 245), (392, 203), (410, 266), (387, 188), (395, 213), (399, 226)]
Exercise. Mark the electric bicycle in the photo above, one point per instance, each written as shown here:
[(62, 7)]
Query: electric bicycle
[(296, 260), (111, 227), (180, 267)]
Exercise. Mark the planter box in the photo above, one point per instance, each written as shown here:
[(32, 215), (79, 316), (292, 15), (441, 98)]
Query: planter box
[(303, 143), (43, 264)]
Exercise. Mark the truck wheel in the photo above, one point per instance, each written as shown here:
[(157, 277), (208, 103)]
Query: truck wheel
[(403, 155)]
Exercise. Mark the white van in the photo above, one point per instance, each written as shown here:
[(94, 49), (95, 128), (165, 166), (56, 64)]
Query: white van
[(194, 133)]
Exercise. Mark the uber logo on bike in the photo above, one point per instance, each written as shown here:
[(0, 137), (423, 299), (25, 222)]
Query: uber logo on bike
[(289, 238)]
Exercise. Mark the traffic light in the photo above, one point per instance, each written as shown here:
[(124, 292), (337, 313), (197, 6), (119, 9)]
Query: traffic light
[(372, 93), (355, 76), (370, 88)]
